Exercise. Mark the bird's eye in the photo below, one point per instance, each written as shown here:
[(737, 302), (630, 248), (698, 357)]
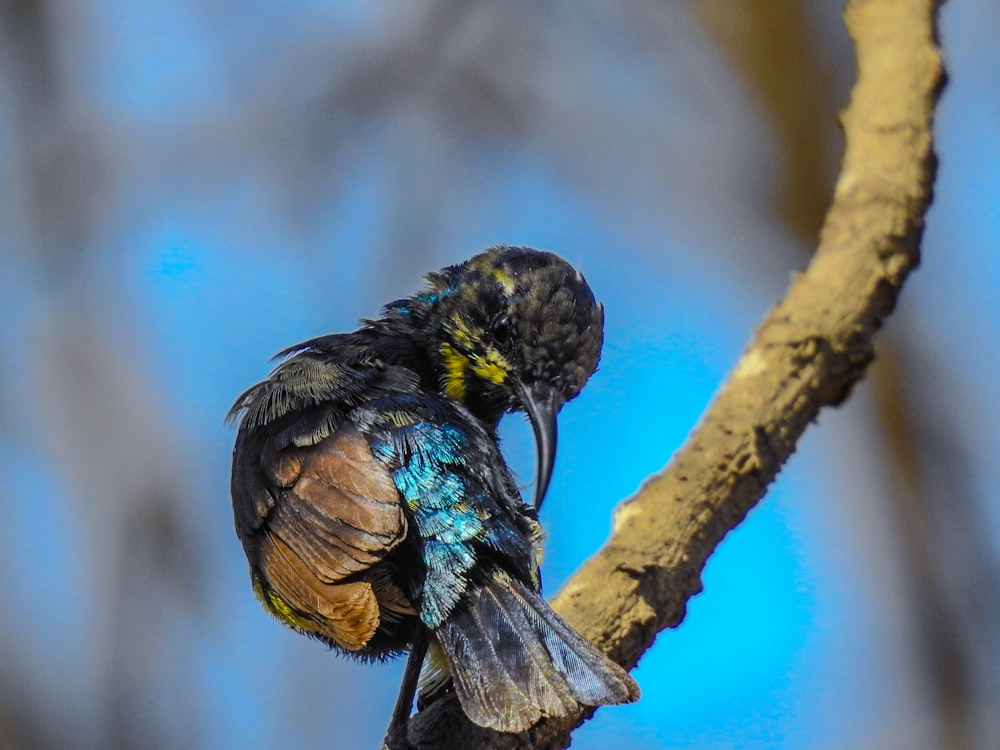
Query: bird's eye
[(502, 329)]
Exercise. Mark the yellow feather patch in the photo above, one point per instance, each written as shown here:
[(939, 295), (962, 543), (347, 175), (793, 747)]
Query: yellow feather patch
[(486, 265), (492, 367), (505, 280), (455, 365), (280, 608), (461, 334)]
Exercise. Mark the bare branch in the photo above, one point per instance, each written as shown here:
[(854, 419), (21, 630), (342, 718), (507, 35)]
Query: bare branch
[(809, 352)]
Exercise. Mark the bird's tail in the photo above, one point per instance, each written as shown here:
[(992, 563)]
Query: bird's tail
[(513, 661)]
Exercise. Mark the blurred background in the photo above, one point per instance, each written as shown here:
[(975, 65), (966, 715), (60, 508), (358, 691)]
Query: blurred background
[(188, 187)]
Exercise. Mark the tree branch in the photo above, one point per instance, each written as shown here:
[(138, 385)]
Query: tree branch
[(808, 353)]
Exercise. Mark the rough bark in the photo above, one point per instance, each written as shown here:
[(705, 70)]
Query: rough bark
[(808, 353)]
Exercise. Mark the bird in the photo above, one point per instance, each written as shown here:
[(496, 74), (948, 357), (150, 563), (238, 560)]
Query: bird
[(376, 509)]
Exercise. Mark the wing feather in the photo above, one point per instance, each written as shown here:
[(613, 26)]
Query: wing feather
[(334, 514)]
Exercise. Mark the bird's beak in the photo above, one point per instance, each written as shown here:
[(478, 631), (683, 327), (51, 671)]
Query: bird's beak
[(542, 405)]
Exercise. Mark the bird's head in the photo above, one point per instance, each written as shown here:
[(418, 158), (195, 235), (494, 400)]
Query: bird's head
[(516, 329)]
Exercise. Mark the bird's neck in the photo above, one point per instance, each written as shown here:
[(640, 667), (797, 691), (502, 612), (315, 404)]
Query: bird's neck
[(442, 368)]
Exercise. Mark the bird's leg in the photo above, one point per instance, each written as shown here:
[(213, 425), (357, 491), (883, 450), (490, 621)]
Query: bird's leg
[(395, 736)]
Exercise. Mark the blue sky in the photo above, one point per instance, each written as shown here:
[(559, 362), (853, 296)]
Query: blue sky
[(226, 236)]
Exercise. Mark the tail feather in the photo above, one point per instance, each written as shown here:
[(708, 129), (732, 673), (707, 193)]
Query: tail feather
[(518, 649), (513, 660), (594, 679)]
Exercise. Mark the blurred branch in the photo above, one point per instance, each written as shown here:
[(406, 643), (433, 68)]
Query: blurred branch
[(950, 568), (770, 44), (808, 353)]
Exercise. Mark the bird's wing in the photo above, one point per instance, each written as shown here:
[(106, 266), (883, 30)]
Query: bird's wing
[(334, 512), (340, 506), (300, 405)]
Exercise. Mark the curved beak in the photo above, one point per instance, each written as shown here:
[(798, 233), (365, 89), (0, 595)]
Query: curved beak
[(542, 405)]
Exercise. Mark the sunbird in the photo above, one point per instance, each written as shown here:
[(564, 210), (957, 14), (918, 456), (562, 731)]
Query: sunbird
[(376, 509)]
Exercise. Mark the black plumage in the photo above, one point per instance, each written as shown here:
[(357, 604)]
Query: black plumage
[(377, 512)]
